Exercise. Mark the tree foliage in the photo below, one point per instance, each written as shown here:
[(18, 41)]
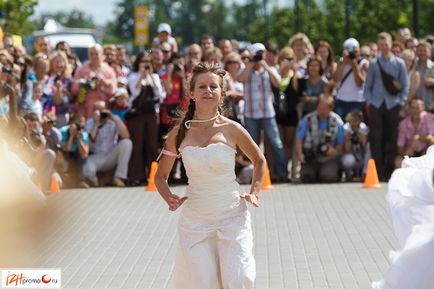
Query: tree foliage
[(15, 13), (247, 20)]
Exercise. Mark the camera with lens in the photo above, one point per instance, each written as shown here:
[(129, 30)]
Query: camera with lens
[(58, 77), (88, 84), (351, 54), (78, 126), (257, 57), (324, 147), (176, 67), (104, 114), (355, 137), (309, 155)]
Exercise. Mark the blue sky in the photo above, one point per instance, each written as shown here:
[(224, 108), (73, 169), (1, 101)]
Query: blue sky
[(101, 10)]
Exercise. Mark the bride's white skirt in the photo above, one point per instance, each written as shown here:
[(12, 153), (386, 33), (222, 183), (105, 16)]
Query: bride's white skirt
[(410, 200), (215, 254)]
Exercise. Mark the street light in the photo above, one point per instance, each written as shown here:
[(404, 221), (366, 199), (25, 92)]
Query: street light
[(297, 16), (267, 20), (347, 18), (416, 18)]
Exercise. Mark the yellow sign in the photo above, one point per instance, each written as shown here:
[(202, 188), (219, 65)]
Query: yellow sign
[(141, 25), (18, 40)]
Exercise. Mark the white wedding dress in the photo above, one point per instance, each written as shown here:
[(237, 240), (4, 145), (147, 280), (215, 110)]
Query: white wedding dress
[(410, 200), (215, 247)]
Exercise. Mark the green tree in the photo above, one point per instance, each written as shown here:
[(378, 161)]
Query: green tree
[(246, 21), (15, 13)]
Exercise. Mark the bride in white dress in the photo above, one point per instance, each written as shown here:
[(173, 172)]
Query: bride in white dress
[(410, 200), (215, 248)]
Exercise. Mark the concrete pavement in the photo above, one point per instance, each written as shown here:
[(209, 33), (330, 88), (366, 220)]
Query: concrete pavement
[(306, 237)]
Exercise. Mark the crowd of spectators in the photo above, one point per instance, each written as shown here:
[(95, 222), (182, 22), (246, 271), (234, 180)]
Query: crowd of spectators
[(318, 117)]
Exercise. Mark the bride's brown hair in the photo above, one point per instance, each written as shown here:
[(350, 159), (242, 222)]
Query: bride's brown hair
[(201, 68)]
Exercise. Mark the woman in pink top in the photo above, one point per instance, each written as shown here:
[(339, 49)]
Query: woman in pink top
[(416, 132), (93, 81)]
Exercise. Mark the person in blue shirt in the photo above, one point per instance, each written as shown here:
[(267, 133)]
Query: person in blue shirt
[(319, 143), (383, 106), (75, 147)]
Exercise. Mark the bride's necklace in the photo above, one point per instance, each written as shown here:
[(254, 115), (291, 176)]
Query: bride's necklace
[(188, 122)]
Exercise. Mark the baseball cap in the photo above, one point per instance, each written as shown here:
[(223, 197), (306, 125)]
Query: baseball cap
[(351, 43), (164, 27), (254, 48)]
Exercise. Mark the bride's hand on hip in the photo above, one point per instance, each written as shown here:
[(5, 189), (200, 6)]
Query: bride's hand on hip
[(174, 202)]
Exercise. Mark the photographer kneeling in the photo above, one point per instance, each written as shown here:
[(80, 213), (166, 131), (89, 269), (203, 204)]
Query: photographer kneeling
[(319, 142), (355, 148), (110, 146), (75, 145)]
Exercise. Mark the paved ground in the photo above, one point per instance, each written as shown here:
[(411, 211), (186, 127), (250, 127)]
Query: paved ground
[(306, 236)]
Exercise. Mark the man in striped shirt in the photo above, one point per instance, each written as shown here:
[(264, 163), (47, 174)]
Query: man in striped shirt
[(259, 113)]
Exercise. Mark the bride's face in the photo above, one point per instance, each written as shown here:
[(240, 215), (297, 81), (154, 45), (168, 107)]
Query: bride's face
[(207, 89)]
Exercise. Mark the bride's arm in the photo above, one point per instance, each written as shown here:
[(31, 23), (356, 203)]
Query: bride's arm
[(165, 165), (245, 142)]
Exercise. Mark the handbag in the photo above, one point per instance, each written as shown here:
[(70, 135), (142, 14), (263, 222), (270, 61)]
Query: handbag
[(392, 85), (144, 103), (281, 104)]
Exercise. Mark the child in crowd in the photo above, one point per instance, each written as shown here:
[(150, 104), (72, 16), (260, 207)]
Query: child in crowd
[(120, 103), (356, 139), (36, 99)]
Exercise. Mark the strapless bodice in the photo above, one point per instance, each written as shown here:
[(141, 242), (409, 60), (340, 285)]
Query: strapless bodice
[(212, 190)]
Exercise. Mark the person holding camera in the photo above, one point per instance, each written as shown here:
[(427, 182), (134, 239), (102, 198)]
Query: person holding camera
[(259, 113), (61, 81), (386, 87), (350, 74), (94, 81), (75, 146), (174, 83), (110, 146), (356, 141), (319, 142), (415, 132), (143, 118)]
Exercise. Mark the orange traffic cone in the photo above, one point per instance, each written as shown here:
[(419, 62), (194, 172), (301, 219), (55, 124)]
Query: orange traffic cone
[(54, 185), (371, 179), (266, 183), (151, 181)]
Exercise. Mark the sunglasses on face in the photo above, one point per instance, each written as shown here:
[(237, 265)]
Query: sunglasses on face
[(165, 51), (231, 62)]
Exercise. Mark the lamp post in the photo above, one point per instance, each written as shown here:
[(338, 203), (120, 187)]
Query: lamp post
[(347, 18), (267, 20), (416, 18), (297, 16)]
